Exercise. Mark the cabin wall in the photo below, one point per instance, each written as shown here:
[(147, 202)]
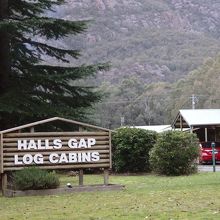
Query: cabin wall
[(213, 134)]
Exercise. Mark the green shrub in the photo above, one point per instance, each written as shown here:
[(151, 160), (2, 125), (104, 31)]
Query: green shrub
[(131, 148), (35, 178), (175, 153)]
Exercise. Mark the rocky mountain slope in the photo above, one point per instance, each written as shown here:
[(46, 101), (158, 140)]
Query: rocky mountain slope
[(156, 40), (146, 41)]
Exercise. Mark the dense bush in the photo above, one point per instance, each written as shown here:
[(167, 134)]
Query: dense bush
[(131, 148), (35, 178), (175, 153)]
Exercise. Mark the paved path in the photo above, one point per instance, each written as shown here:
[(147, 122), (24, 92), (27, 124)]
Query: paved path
[(208, 168)]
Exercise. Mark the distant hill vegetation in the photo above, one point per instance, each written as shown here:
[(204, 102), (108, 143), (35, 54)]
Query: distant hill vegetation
[(148, 42)]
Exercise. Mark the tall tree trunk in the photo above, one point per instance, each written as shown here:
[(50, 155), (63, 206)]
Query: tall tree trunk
[(4, 50)]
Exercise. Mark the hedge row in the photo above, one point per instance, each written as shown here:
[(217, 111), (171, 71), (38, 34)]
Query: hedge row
[(131, 148), (169, 153)]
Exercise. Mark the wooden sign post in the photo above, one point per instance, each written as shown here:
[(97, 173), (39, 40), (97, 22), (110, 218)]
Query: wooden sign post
[(89, 147)]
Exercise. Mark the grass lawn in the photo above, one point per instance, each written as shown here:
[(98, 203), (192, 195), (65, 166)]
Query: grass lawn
[(145, 197)]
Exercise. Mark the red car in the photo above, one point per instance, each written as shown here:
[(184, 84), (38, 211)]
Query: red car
[(206, 152)]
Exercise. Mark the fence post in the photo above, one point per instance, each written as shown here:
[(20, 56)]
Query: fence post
[(106, 177), (81, 177)]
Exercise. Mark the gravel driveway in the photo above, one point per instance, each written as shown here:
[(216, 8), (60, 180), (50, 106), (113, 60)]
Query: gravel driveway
[(208, 168)]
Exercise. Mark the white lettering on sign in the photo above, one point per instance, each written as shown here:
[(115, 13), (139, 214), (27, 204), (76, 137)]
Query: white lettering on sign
[(55, 158), (74, 157), (28, 159), (56, 144), (95, 156), (72, 143), (82, 143), (91, 142), (39, 144), (22, 144)]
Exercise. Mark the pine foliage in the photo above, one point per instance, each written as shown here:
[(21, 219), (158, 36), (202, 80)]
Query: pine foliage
[(30, 87)]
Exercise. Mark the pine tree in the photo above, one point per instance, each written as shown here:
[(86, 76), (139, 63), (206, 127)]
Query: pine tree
[(30, 88)]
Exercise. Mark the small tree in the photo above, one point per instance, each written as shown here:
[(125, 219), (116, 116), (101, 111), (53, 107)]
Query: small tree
[(131, 148), (37, 77), (175, 153)]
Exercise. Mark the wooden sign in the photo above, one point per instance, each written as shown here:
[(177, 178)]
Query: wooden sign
[(55, 150)]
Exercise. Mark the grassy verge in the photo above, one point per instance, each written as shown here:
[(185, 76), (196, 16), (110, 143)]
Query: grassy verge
[(145, 197)]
